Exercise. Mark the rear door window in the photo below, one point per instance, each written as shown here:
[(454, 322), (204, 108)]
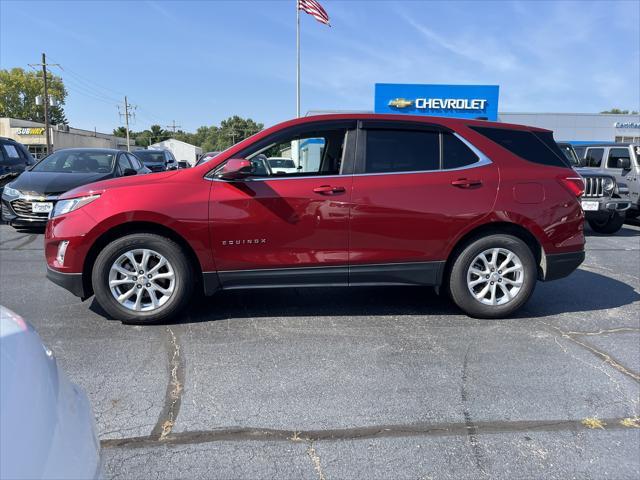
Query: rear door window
[(401, 151), (616, 154), (536, 147), (12, 154), (593, 157)]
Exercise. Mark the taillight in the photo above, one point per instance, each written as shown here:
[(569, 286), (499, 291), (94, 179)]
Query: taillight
[(573, 183)]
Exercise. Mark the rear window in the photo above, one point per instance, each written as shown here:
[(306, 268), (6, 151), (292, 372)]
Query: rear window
[(536, 147), (149, 156)]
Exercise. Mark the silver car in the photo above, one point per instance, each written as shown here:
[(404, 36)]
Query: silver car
[(47, 428)]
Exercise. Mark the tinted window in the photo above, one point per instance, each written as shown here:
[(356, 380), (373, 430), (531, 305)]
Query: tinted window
[(527, 145), (616, 154), (455, 153), (76, 161), (593, 157), (579, 151), (150, 156), (402, 151), (569, 153)]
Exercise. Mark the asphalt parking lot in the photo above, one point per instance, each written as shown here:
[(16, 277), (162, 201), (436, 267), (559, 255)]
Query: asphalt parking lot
[(366, 382)]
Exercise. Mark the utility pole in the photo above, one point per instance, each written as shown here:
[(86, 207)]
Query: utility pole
[(127, 113), (45, 100), (173, 127)]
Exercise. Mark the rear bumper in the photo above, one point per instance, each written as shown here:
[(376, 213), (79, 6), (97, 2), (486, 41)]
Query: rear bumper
[(560, 265), (69, 281)]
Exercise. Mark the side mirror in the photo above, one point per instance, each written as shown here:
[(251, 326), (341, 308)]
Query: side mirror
[(128, 172), (236, 169), (624, 163)]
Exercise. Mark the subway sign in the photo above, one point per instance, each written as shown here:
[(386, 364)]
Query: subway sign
[(31, 131), (461, 101)]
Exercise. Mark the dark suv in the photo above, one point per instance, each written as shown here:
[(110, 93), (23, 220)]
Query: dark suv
[(481, 210), (157, 160), (14, 158)]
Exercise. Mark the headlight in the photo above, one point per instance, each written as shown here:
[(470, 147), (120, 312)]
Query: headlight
[(11, 192), (608, 184), (66, 206)]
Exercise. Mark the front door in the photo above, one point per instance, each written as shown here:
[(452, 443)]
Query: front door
[(414, 190), (287, 224)]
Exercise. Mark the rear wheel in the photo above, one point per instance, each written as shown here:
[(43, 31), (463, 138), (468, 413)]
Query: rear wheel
[(493, 276), (608, 225), (142, 278)]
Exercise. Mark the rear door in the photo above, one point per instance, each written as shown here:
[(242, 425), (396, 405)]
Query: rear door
[(414, 189), (286, 228)]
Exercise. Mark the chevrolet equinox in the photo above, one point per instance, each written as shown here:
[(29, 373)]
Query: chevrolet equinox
[(480, 210)]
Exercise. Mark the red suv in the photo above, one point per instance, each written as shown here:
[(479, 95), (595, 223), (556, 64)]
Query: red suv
[(482, 210)]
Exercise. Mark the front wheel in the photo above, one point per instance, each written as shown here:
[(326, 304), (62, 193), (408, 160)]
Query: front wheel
[(493, 276), (607, 225), (142, 278)]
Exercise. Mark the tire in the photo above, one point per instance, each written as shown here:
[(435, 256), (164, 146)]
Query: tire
[(609, 225), (519, 280), (172, 288)]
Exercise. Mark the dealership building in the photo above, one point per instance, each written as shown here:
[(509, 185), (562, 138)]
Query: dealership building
[(32, 136), (481, 102)]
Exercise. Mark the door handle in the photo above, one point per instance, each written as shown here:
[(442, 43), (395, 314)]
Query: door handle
[(466, 183), (328, 189)]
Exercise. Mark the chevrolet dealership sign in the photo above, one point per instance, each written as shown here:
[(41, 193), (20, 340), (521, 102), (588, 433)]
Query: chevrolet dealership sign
[(462, 101)]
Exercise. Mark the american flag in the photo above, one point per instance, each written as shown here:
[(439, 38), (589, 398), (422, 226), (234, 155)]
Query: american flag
[(315, 9)]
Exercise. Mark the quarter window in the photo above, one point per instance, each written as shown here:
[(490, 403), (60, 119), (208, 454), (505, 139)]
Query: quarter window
[(593, 158), (401, 151), (455, 154), (616, 154), (534, 147)]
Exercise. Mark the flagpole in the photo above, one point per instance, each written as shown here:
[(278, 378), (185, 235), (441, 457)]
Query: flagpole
[(297, 60)]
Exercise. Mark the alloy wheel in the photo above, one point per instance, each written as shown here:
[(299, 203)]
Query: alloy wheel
[(142, 280), (495, 276)]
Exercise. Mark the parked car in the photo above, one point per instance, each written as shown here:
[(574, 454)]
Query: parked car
[(604, 201), (157, 160), (28, 199), (47, 427), (282, 165), (206, 157), (481, 210), (14, 159), (622, 161), (183, 164)]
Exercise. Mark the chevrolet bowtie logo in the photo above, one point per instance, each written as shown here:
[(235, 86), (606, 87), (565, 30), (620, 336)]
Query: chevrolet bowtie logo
[(400, 103)]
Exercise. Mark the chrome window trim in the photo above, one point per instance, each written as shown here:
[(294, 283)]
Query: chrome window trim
[(483, 160)]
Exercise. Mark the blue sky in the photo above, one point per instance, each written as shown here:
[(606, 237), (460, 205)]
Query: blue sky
[(198, 62)]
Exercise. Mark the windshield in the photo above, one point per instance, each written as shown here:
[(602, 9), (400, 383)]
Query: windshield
[(76, 161), (281, 163), (569, 153), (148, 156)]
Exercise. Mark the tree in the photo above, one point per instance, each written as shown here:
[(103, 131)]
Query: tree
[(18, 91), (120, 132), (620, 112)]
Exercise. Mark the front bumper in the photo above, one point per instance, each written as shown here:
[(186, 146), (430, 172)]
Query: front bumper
[(72, 282), (21, 217), (607, 205), (560, 265)]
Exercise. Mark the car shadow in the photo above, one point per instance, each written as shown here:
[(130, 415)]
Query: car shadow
[(569, 295), (625, 231)]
